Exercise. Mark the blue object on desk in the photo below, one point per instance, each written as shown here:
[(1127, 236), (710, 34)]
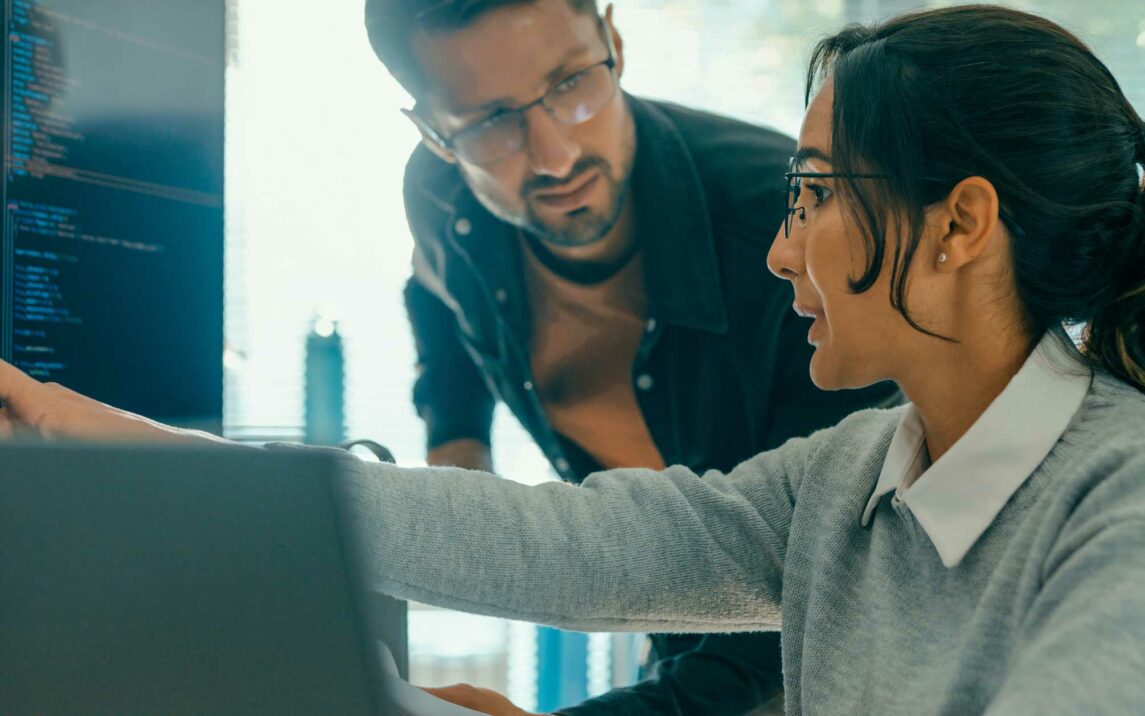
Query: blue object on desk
[(562, 668), (325, 394)]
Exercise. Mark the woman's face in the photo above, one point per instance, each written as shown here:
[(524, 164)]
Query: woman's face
[(858, 338)]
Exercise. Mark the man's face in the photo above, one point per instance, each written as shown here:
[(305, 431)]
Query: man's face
[(568, 183)]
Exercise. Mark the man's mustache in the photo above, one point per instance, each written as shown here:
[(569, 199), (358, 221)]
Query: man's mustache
[(584, 164)]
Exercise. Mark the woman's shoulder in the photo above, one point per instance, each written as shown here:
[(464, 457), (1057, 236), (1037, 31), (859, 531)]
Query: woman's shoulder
[(861, 429), (1099, 463), (1111, 418), (1107, 429), (856, 446)]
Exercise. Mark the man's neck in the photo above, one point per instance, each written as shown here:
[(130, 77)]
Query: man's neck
[(597, 261)]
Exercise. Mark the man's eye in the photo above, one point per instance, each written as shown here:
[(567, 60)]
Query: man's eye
[(569, 84), (490, 124), (492, 120)]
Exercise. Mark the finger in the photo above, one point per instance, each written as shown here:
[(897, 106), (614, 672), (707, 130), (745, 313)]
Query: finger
[(476, 698), (460, 694), (7, 430), (15, 384), (13, 428)]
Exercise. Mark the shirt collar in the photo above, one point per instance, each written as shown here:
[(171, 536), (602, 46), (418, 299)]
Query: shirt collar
[(682, 275), (956, 499)]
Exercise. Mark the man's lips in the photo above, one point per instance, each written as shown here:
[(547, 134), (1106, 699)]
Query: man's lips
[(569, 196)]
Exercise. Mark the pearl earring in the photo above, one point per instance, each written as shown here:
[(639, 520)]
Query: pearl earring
[(942, 258)]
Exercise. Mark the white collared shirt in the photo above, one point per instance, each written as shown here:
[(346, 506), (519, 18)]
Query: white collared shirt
[(957, 498)]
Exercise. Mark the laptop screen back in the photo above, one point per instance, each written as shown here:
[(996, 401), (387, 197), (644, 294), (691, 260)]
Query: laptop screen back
[(177, 581)]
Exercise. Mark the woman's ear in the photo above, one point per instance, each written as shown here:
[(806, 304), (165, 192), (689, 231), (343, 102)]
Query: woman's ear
[(968, 222)]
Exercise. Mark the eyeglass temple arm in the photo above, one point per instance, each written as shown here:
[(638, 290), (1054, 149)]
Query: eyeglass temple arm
[(428, 129)]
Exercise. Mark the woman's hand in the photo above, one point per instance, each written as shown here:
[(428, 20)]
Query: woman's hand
[(52, 411), (478, 699)]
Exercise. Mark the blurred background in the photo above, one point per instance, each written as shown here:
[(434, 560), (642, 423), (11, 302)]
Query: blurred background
[(317, 244)]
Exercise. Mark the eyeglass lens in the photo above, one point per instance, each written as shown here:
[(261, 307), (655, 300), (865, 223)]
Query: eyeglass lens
[(575, 100)]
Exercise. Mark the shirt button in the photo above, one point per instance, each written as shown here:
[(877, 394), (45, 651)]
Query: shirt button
[(528, 385), (462, 227), (561, 464), (644, 381), (650, 326), (501, 295)]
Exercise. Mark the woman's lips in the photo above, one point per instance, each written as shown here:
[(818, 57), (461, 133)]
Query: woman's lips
[(570, 197), (813, 331), (816, 325)]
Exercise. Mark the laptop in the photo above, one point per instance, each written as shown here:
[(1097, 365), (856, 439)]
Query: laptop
[(175, 580)]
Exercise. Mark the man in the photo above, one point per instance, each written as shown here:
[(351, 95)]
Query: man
[(596, 261)]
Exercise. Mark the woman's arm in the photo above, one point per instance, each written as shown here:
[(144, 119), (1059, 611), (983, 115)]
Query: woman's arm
[(48, 410), (584, 558)]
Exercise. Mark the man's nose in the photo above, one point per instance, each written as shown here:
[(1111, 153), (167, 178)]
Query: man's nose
[(551, 150)]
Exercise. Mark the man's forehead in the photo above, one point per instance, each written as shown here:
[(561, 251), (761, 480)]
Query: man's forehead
[(506, 54)]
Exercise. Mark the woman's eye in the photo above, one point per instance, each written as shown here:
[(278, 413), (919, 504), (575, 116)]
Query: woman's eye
[(820, 192)]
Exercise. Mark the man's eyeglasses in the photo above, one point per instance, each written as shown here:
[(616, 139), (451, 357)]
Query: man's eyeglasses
[(795, 189), (574, 100)]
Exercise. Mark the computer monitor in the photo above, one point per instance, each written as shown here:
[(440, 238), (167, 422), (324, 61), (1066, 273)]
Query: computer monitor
[(111, 261), (148, 580)]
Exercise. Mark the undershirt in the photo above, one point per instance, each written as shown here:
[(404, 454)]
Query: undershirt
[(584, 342)]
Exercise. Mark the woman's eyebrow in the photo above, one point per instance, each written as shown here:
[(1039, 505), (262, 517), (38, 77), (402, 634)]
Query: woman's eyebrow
[(805, 153)]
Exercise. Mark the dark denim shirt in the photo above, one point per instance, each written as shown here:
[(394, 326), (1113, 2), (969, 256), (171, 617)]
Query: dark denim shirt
[(721, 374)]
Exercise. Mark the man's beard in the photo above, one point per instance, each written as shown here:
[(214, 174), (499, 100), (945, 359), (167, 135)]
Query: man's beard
[(581, 227)]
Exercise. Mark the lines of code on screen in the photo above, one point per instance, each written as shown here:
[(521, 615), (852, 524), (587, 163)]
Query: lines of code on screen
[(112, 253)]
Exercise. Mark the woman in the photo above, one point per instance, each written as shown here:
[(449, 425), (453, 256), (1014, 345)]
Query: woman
[(967, 182)]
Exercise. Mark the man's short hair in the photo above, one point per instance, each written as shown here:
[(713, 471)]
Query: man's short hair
[(391, 25)]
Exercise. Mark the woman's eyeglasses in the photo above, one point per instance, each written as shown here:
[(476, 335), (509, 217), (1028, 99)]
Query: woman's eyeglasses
[(795, 189)]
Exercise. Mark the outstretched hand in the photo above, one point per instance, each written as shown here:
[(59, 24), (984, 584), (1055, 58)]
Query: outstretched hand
[(51, 411), (483, 700)]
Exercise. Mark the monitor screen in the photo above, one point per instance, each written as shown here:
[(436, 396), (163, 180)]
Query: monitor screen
[(112, 253)]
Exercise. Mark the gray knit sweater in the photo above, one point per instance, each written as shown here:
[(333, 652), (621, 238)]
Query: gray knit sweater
[(1045, 614)]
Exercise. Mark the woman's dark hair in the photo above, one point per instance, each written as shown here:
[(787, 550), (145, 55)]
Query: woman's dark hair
[(930, 98)]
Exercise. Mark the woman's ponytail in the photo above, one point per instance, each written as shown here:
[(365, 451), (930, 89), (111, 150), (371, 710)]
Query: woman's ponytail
[(1116, 337)]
